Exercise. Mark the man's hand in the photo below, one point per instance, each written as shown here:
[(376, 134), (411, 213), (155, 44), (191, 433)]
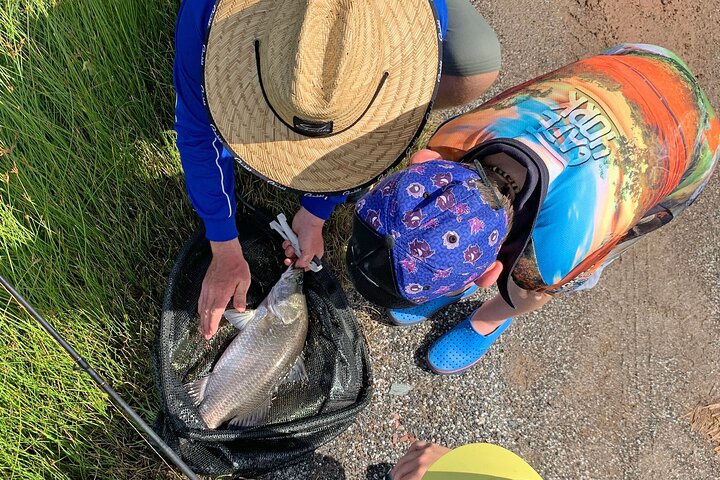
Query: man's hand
[(416, 461), (308, 229), (227, 277)]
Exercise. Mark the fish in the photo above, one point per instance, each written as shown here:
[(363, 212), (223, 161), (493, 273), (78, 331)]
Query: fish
[(266, 353)]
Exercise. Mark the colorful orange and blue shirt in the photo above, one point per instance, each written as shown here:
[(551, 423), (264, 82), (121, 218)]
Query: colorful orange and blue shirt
[(620, 142)]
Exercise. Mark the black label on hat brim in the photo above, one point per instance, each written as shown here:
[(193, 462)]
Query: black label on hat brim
[(312, 129)]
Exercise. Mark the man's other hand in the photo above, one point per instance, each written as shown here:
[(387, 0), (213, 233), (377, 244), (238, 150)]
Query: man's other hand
[(308, 229), (227, 277)]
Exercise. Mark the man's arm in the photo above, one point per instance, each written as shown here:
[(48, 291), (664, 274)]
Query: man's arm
[(209, 174), (208, 168), (322, 207), (210, 178)]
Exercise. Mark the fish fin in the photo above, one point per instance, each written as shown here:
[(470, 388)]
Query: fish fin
[(254, 418), (298, 372), (197, 388), (239, 320)]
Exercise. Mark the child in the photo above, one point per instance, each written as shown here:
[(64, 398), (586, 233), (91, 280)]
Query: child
[(537, 190)]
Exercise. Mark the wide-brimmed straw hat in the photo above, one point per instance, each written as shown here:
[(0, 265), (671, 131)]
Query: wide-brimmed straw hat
[(320, 96)]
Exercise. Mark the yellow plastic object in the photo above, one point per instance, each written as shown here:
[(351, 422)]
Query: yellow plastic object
[(480, 461)]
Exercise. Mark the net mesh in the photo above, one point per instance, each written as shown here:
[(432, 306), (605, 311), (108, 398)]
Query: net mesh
[(303, 416)]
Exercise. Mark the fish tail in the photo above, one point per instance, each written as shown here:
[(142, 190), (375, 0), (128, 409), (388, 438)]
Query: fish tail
[(197, 388)]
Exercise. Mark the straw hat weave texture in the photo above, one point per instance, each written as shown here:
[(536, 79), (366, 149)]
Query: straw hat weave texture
[(320, 96)]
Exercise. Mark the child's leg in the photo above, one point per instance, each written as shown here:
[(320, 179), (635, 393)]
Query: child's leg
[(462, 346)]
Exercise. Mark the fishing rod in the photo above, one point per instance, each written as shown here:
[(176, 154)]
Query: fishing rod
[(117, 399)]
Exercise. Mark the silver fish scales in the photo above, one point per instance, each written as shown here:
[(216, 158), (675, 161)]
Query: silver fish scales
[(270, 342)]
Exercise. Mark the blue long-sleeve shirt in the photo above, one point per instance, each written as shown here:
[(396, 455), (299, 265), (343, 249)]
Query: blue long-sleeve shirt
[(209, 168)]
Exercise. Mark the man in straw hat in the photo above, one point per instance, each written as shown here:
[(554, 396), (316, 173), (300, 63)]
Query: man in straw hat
[(319, 97)]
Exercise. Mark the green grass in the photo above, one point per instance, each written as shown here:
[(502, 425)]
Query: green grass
[(92, 213)]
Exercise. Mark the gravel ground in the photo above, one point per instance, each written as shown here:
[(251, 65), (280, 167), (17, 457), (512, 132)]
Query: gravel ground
[(596, 384)]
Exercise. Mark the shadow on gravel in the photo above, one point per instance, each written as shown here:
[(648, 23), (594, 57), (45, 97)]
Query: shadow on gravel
[(379, 471), (442, 322)]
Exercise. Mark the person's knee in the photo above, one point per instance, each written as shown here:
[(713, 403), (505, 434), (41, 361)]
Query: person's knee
[(471, 56), (459, 90)]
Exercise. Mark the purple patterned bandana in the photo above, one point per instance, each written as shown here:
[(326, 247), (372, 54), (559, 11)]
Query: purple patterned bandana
[(445, 234)]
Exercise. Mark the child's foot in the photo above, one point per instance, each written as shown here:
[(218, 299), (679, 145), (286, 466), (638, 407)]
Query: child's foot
[(461, 347), (405, 317)]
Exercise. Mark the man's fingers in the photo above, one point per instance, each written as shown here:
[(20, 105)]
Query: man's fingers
[(205, 322), (227, 279), (286, 244), (304, 260), (211, 308), (215, 316), (240, 297), (203, 309), (289, 252), (206, 319)]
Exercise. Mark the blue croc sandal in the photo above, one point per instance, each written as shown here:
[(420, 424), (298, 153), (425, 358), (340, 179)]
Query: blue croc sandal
[(404, 317), (461, 347)]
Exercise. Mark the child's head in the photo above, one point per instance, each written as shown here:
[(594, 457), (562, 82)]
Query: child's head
[(426, 231)]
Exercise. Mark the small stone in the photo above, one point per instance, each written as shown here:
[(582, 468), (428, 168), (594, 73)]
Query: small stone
[(400, 389)]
